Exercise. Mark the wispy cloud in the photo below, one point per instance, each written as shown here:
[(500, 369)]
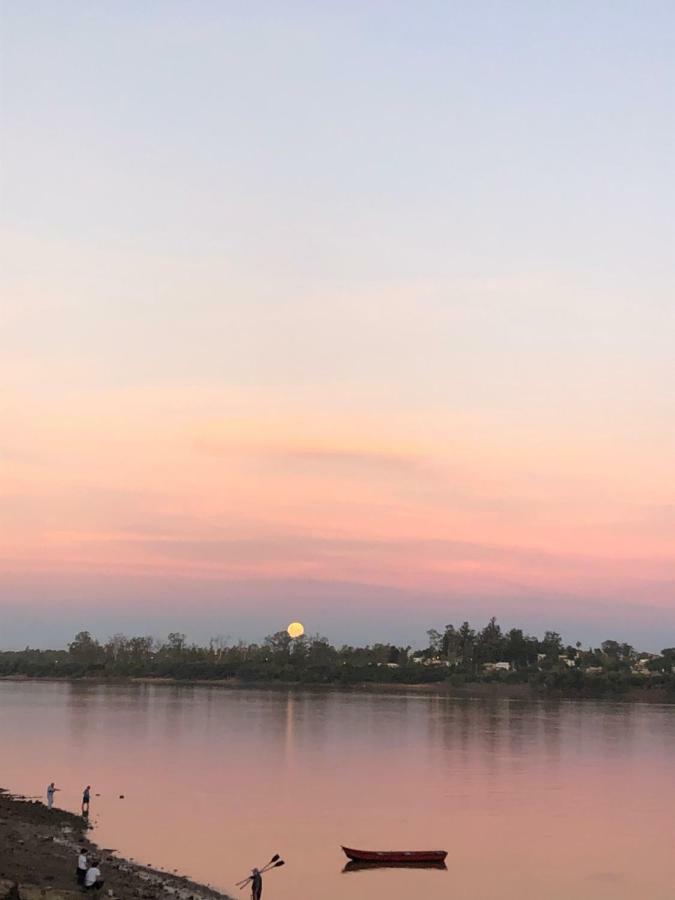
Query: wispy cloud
[(426, 563)]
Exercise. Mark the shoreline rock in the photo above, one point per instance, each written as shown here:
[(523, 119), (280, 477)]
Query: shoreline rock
[(38, 852)]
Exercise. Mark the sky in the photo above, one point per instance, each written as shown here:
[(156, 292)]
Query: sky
[(355, 313)]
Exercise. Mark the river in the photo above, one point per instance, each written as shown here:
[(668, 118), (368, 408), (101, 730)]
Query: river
[(532, 800)]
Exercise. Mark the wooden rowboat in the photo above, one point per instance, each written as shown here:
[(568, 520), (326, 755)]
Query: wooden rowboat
[(395, 856)]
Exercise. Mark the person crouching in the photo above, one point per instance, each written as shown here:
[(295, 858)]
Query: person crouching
[(93, 880)]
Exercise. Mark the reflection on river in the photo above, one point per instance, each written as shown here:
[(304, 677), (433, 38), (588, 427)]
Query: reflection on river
[(532, 800)]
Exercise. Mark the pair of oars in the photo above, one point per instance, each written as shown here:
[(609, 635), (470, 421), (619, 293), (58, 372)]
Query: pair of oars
[(274, 863)]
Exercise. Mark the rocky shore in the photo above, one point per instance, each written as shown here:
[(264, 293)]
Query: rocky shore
[(38, 855)]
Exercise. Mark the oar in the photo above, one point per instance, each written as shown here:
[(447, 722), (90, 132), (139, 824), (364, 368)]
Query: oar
[(266, 866)]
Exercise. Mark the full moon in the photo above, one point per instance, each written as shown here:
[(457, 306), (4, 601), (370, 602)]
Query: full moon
[(296, 629)]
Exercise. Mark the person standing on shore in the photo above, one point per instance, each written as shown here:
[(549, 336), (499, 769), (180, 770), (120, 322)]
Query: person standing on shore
[(256, 885), (50, 794), (85, 800), (82, 866)]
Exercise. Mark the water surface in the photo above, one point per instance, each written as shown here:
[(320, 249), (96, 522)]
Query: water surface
[(531, 799)]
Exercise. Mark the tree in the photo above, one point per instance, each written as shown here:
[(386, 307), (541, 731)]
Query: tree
[(218, 646), (279, 642), (552, 644), (175, 643), (467, 637), (141, 649), (617, 656), (450, 643), (320, 651), (85, 649), (627, 652), (519, 650), (316, 660), (435, 642), (489, 643), (117, 646), (611, 649)]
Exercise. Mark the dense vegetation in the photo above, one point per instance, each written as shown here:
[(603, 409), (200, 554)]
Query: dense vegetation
[(456, 655)]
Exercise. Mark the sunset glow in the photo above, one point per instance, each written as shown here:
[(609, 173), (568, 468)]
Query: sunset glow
[(358, 360)]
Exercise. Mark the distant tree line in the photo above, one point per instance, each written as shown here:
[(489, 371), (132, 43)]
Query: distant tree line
[(458, 655)]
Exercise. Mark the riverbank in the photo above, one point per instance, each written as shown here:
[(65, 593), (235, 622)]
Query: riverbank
[(474, 689), (38, 855)]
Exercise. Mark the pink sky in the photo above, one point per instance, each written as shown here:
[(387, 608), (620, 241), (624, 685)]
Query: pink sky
[(159, 490), (378, 345)]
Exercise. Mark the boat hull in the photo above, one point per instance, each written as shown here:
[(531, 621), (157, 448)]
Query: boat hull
[(361, 866), (395, 856)]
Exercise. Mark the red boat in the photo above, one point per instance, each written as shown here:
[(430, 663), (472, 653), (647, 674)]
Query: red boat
[(396, 856)]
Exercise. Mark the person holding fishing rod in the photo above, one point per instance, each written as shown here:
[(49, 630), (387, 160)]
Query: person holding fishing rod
[(255, 878)]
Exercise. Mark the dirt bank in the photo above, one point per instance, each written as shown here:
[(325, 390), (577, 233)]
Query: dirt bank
[(38, 856)]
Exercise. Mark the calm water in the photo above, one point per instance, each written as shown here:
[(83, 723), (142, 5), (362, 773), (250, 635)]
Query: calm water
[(533, 800)]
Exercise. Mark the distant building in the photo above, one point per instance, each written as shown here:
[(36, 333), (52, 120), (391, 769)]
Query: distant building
[(496, 667)]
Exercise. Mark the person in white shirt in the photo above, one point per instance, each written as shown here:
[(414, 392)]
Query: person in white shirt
[(82, 866), (93, 880), (50, 794)]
